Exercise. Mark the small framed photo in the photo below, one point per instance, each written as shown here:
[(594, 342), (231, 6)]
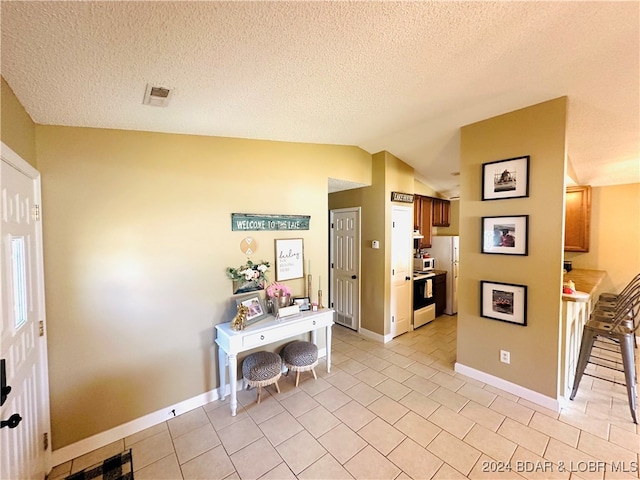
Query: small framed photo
[(505, 178), (253, 301), (289, 259), (504, 301), (505, 235), (303, 303)]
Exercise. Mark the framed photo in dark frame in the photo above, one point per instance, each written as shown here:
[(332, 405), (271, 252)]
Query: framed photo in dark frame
[(505, 178), (505, 235), (505, 302), (303, 302)]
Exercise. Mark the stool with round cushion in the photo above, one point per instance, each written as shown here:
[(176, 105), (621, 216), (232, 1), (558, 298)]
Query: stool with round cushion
[(260, 369), (300, 357)]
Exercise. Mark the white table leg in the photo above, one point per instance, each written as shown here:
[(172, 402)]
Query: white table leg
[(233, 380), (328, 330), (222, 370)]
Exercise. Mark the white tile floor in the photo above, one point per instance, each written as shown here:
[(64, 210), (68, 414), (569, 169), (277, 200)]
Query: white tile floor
[(392, 411)]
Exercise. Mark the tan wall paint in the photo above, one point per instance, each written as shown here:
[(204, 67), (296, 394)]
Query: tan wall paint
[(389, 174), (538, 131), (615, 234), (137, 238), (17, 130)]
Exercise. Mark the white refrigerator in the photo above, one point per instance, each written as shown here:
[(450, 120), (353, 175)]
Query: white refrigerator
[(445, 249)]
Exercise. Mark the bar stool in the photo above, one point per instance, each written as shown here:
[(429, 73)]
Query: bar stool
[(612, 327), (261, 369), (300, 357)]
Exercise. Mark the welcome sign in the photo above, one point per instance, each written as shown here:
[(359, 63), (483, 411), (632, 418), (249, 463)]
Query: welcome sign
[(243, 222)]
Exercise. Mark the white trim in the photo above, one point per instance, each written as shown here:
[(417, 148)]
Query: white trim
[(535, 397), (101, 439), (16, 161), (98, 440), (376, 337)]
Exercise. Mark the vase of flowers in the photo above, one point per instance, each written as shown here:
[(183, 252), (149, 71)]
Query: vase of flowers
[(279, 295), (248, 277)]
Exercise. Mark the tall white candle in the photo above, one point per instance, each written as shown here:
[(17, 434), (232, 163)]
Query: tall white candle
[(308, 266), (319, 282)]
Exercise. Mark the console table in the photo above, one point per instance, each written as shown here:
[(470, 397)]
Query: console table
[(271, 329)]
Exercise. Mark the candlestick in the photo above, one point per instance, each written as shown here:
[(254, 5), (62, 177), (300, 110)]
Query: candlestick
[(320, 299), (309, 286)]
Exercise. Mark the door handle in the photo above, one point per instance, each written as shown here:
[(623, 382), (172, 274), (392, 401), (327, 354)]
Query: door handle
[(13, 421), (353, 277), (407, 278), (4, 388)]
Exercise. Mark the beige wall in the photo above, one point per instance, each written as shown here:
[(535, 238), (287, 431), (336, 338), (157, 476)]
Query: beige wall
[(137, 239), (615, 235), (17, 130), (538, 131), (389, 174)]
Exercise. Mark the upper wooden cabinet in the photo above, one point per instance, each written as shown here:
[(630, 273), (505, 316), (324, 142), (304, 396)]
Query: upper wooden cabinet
[(440, 209), (577, 219), (429, 212), (422, 220)]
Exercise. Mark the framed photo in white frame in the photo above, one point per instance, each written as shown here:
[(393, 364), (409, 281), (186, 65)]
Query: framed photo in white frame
[(289, 258)]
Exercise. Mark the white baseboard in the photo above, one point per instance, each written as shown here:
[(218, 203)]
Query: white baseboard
[(518, 390), (99, 440), (94, 442), (376, 337)]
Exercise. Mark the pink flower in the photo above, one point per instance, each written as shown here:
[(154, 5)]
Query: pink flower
[(278, 290)]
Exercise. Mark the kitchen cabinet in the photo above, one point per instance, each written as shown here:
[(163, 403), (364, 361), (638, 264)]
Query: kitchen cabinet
[(422, 219), (440, 212), (577, 225), (440, 291)]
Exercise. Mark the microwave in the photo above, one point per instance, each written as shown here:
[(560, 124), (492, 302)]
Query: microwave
[(424, 264)]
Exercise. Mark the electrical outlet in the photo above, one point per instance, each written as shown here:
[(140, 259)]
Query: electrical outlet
[(505, 357)]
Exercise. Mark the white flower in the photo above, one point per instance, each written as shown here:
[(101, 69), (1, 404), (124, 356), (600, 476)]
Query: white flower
[(248, 273), (262, 267)]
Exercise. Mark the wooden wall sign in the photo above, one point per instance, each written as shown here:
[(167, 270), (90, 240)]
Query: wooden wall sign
[(244, 222), (402, 197)]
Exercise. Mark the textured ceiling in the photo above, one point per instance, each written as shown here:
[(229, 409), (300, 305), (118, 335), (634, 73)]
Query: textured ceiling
[(395, 76)]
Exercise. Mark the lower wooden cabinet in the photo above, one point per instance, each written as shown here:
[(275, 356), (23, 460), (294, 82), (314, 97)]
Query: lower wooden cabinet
[(440, 290)]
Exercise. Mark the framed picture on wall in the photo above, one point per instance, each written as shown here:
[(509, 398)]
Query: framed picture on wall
[(289, 259), (505, 235), (503, 301), (505, 178)]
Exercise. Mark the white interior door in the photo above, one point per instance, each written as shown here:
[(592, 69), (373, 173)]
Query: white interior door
[(345, 263), (24, 450), (401, 269)]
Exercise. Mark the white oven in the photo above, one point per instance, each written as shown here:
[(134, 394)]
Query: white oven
[(424, 300)]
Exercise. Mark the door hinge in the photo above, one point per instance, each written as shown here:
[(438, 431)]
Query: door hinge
[(45, 440), (36, 212), (41, 328), (393, 319)]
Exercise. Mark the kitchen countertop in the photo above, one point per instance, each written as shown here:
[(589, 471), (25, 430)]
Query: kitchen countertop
[(586, 282)]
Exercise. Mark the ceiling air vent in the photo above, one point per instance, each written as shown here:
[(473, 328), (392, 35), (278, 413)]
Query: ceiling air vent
[(156, 96)]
